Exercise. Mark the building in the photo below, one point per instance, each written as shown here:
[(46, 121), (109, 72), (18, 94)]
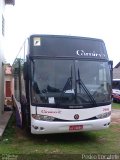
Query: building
[(8, 84), (2, 61), (116, 71)]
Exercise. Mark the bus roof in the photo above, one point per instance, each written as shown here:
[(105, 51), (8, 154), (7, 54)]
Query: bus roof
[(66, 36), (67, 46)]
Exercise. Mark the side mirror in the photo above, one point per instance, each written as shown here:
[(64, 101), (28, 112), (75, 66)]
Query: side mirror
[(111, 64), (111, 69)]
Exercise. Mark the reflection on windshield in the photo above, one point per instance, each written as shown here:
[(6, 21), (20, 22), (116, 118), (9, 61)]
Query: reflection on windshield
[(81, 84), (70, 82)]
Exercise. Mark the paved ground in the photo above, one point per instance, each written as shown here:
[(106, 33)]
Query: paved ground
[(4, 118)]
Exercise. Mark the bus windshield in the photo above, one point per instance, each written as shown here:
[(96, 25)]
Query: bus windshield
[(70, 82)]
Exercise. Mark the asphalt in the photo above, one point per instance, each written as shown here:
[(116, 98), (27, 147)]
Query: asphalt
[(4, 119)]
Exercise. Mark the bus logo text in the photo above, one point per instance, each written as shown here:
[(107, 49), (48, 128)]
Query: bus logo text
[(53, 112), (89, 54)]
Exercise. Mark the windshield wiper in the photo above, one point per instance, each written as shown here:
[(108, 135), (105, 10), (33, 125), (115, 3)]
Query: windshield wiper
[(68, 84), (81, 84)]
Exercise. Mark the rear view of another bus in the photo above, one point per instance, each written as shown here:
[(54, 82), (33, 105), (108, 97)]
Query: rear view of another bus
[(116, 90)]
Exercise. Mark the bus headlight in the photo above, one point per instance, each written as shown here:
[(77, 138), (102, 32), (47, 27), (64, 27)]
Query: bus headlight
[(104, 115), (42, 117)]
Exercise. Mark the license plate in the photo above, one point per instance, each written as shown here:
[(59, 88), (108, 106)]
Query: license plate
[(75, 127)]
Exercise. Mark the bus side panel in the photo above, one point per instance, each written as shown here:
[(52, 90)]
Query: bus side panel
[(18, 114)]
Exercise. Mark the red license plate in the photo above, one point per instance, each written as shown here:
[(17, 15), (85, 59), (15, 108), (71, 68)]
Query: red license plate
[(75, 127)]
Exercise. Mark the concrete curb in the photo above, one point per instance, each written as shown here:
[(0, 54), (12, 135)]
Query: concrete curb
[(4, 118)]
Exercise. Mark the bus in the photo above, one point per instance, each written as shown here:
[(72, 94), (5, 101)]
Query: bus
[(116, 90), (62, 84)]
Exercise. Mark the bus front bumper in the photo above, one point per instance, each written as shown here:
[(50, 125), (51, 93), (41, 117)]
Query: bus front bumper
[(45, 127)]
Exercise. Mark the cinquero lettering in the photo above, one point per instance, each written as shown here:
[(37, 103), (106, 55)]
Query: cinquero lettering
[(50, 112), (89, 54)]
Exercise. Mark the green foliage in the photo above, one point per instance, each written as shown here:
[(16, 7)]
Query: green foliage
[(116, 105)]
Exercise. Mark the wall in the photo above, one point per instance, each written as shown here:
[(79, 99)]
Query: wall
[(2, 7), (116, 73)]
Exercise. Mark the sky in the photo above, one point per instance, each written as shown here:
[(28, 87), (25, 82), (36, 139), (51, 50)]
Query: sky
[(86, 18)]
